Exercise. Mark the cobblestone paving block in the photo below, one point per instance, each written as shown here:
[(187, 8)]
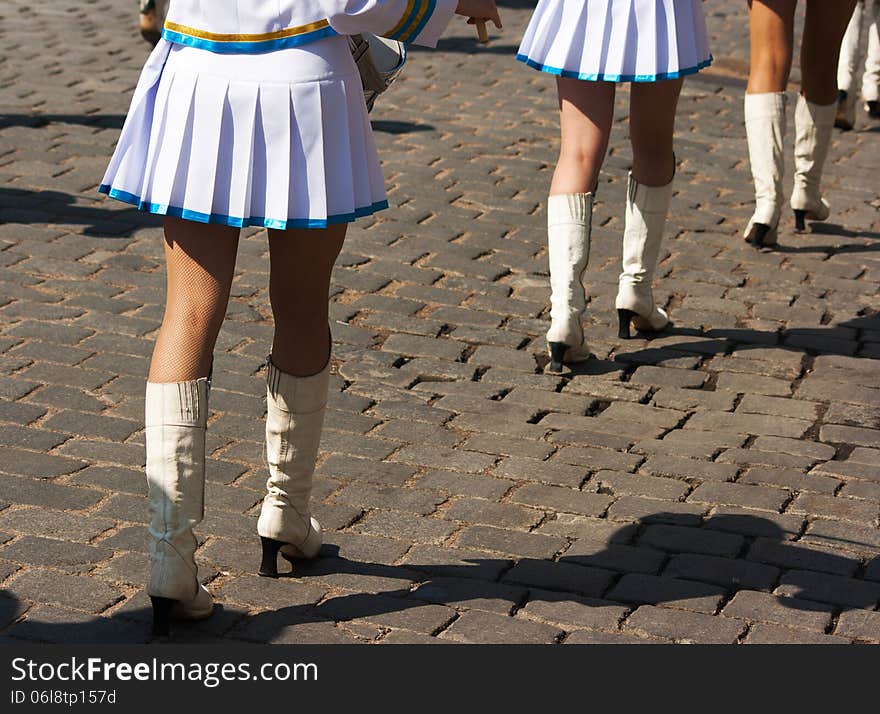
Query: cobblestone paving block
[(616, 483), (61, 625), (555, 498), (597, 637), (751, 523), (554, 474), (471, 595), (452, 562), (503, 515), (401, 613), (257, 592), (757, 424), (790, 479), (436, 457), (725, 572), (570, 611), (686, 400), (848, 470), (130, 569), (650, 510), (489, 628), (691, 595), (580, 425), (795, 555), (357, 469), (680, 467), (795, 447), (45, 552), (53, 524), (478, 486), (843, 536), (74, 591), (861, 625), (679, 539), (289, 626), (48, 494), (759, 497), (598, 552), (846, 509), (510, 542), (400, 499), (765, 634), (565, 577), (833, 589), (859, 436), (684, 627), (787, 611), (405, 526), (31, 463)]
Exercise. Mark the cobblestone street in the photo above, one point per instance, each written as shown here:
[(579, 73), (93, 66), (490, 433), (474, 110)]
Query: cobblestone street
[(716, 484)]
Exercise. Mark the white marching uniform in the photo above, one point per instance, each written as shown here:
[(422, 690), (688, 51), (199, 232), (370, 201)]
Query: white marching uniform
[(251, 112), (617, 40)]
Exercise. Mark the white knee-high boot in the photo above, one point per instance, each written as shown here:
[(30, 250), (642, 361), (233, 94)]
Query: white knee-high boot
[(176, 417), (646, 211), (294, 420), (569, 222), (765, 131), (813, 127)]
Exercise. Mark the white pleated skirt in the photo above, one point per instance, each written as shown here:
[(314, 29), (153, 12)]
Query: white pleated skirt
[(617, 40), (279, 140)]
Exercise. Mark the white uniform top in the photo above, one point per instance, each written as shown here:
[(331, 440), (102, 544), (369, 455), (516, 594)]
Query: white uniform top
[(256, 26)]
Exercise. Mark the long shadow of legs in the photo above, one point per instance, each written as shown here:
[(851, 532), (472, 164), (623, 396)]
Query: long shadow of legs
[(726, 565), (846, 338), (832, 229)]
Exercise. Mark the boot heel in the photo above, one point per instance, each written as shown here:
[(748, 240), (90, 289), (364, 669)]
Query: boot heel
[(624, 319), (161, 615), (269, 564), (800, 220), (761, 235), (557, 353)]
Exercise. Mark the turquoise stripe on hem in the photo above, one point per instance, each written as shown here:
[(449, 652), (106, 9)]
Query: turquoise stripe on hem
[(220, 219), (614, 77), (245, 48), (411, 37)]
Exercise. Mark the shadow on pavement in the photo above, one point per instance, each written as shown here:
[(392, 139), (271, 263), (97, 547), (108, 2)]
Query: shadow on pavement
[(101, 121), (38, 207), (832, 229), (728, 552), (388, 126), (720, 341)]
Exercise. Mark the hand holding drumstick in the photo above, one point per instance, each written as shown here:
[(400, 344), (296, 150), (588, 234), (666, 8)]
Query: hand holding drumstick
[(479, 13)]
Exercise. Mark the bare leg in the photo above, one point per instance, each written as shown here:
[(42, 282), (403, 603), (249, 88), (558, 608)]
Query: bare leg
[(586, 111), (652, 107), (301, 264), (820, 50), (771, 34), (200, 261)]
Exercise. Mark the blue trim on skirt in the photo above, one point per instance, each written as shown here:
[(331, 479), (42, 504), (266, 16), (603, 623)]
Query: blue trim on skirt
[(593, 77), (197, 216)]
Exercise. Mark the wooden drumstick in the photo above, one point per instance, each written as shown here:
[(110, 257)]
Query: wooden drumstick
[(482, 32)]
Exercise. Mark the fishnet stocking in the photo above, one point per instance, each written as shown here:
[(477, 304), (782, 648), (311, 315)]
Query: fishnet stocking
[(200, 262)]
